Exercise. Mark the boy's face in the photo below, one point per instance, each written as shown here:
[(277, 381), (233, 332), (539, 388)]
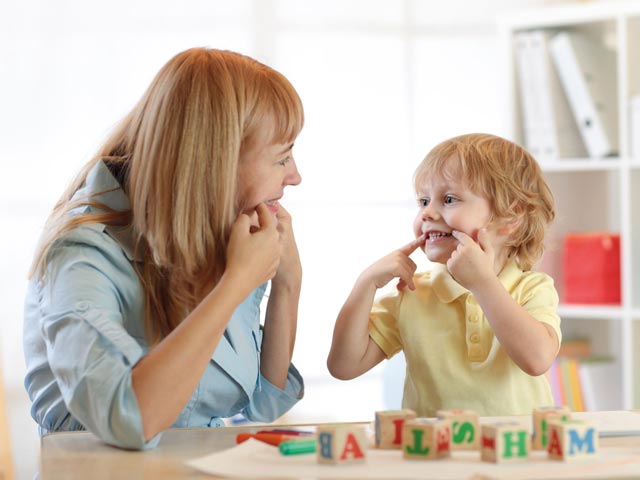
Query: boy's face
[(444, 205)]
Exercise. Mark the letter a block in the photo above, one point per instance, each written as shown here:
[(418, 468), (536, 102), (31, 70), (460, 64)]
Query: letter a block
[(571, 440), (504, 442), (465, 428), (389, 427), (541, 417), (426, 438), (341, 444)]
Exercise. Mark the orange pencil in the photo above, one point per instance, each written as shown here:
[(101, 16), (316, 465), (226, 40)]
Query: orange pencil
[(270, 438)]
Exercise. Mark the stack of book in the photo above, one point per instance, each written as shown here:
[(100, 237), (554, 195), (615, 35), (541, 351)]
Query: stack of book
[(583, 381)]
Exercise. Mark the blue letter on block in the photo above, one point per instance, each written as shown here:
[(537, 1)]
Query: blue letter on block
[(324, 439), (577, 442)]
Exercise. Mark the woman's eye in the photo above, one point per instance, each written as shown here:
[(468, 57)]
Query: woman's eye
[(284, 161)]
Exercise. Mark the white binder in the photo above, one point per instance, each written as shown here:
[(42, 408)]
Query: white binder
[(587, 70), (548, 124)]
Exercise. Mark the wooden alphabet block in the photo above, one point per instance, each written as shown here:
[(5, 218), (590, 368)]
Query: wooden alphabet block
[(465, 428), (389, 425), (426, 438), (541, 417), (341, 444), (504, 442), (571, 440)]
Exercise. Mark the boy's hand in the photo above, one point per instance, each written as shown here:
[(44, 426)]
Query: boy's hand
[(471, 263), (395, 265)]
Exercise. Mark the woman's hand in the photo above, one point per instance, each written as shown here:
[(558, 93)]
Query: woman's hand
[(253, 253), (290, 269)]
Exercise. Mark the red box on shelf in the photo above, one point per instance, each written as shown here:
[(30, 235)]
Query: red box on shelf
[(591, 268)]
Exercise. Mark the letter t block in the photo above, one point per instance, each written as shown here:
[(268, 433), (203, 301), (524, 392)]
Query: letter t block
[(426, 438), (389, 427)]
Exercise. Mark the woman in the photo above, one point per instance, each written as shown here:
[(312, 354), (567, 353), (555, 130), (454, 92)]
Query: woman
[(143, 305)]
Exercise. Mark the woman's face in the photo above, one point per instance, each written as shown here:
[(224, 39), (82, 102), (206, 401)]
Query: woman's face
[(263, 172)]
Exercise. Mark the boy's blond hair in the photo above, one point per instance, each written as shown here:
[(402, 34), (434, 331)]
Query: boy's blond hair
[(508, 177), (179, 148)]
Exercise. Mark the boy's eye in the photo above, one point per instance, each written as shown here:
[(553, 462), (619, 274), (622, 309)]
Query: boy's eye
[(423, 202), (448, 199)]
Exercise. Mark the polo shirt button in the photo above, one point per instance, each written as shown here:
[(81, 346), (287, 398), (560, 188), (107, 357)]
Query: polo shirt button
[(82, 306), (473, 318), (474, 338)]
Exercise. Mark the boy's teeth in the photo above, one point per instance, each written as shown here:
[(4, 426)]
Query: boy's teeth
[(438, 235)]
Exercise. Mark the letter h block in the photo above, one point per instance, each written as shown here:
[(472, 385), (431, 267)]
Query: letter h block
[(426, 438), (465, 428), (389, 425), (541, 417), (571, 440), (504, 442), (341, 444)]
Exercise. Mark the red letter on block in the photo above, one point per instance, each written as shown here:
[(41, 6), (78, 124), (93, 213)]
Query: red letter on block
[(554, 443), (351, 447)]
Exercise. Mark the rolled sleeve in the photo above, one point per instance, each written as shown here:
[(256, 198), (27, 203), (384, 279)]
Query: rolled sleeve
[(270, 402), (90, 353)]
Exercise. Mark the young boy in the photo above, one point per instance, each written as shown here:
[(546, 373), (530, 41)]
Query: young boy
[(480, 329)]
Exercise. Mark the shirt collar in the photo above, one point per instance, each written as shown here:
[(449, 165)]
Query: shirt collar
[(448, 289), (101, 186)]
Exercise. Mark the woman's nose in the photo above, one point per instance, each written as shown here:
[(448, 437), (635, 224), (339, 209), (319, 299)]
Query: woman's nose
[(293, 177)]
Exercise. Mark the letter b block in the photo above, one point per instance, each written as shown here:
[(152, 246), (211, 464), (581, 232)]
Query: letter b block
[(426, 438), (465, 428), (341, 444), (504, 442), (541, 417), (572, 440), (389, 425)]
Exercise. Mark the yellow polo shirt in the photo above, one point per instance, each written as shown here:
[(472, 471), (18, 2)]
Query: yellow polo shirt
[(454, 361)]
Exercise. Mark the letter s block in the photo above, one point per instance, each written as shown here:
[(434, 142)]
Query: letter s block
[(389, 425), (465, 428), (339, 444)]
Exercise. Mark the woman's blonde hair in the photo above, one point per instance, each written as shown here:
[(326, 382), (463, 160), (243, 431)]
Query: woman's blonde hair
[(508, 177), (179, 150)]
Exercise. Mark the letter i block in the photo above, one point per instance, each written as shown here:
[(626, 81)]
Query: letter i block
[(389, 427), (504, 442), (465, 428), (541, 417), (426, 438), (341, 444), (571, 440)]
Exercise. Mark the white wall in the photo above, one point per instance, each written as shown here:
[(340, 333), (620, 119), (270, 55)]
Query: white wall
[(382, 81)]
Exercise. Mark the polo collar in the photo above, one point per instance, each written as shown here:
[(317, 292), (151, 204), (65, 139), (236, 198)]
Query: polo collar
[(448, 289)]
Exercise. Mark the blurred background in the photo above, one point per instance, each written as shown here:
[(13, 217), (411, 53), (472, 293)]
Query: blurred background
[(382, 81)]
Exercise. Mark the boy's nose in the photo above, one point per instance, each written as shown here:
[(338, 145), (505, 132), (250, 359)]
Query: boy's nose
[(430, 212)]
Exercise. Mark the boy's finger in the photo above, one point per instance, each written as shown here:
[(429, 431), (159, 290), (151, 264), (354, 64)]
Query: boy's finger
[(462, 237), (412, 245), (483, 241)]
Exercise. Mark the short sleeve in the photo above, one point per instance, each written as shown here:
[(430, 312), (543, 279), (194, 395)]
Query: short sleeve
[(541, 301), (383, 323), (88, 349)]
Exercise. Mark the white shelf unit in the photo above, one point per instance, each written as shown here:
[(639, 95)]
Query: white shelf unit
[(594, 194)]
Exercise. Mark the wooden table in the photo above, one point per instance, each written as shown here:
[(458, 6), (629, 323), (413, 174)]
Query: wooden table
[(81, 455)]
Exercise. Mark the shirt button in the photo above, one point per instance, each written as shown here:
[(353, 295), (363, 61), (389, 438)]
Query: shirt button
[(473, 318), (82, 306), (474, 338)]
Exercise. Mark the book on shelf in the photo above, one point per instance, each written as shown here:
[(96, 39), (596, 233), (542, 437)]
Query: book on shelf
[(549, 127), (587, 71), (585, 384)]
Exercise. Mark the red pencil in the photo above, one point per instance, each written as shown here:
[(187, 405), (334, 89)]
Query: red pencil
[(270, 438)]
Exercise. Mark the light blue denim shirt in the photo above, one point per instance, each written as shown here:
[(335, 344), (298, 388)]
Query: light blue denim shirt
[(83, 334)]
